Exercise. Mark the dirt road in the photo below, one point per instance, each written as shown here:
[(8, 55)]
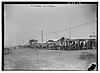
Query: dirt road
[(29, 59)]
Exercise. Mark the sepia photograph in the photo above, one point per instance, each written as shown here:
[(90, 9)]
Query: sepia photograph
[(50, 36)]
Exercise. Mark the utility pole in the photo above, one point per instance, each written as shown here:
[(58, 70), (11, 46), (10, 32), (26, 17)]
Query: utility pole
[(69, 33), (69, 37), (42, 38)]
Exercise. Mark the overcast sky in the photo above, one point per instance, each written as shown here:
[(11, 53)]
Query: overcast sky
[(22, 22)]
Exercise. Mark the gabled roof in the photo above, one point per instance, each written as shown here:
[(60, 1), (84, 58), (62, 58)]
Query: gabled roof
[(63, 38), (50, 41)]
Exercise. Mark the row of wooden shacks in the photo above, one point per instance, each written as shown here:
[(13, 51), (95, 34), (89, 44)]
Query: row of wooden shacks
[(62, 44)]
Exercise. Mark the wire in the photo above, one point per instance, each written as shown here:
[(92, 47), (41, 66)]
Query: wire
[(70, 28)]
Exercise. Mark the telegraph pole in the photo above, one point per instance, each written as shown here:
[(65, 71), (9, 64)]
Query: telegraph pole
[(42, 38), (69, 37), (69, 33)]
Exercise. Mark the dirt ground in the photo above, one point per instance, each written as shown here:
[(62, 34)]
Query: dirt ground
[(31, 59)]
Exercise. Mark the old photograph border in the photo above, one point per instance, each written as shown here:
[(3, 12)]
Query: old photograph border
[(47, 2)]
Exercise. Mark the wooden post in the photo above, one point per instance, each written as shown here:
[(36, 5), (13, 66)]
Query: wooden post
[(42, 38), (69, 37)]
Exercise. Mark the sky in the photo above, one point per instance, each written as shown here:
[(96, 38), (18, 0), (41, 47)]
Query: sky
[(26, 21)]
